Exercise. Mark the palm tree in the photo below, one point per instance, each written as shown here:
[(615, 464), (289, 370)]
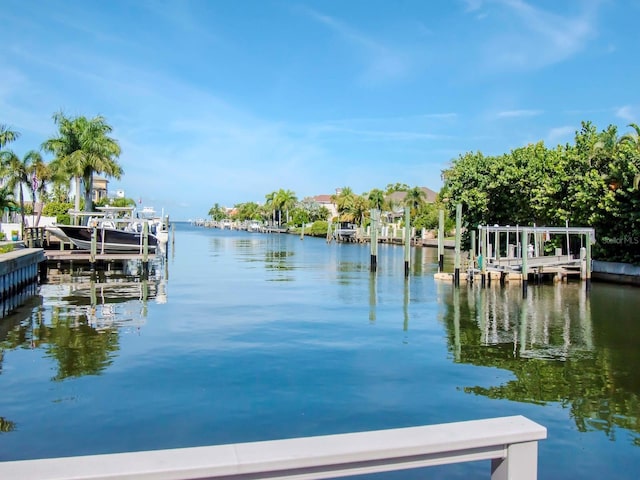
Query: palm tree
[(81, 149), (376, 199), (6, 200), (39, 176), (270, 205), (414, 199), (359, 209), (632, 138), (285, 200), (217, 213), (7, 136), (17, 173), (343, 200)]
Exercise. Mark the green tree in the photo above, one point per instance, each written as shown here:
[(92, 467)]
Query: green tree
[(7, 135), (285, 201), (16, 171), (344, 202), (271, 205), (376, 199), (6, 198), (415, 199), (217, 212), (359, 209), (81, 149), (248, 211), (396, 187)]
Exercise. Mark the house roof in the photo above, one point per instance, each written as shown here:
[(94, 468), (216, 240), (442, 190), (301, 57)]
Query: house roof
[(398, 197), (323, 198)]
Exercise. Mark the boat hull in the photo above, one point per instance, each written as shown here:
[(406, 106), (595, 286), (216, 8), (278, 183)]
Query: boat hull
[(108, 240)]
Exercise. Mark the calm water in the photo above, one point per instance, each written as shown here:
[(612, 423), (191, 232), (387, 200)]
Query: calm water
[(242, 337)]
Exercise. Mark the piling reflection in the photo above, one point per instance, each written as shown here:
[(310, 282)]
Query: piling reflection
[(555, 349)]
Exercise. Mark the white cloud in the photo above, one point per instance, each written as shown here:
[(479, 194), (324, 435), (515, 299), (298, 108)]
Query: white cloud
[(559, 134), (383, 63), (519, 113), (626, 113), (541, 37), (472, 5)]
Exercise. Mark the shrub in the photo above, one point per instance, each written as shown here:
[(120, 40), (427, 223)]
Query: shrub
[(58, 210), (318, 229)]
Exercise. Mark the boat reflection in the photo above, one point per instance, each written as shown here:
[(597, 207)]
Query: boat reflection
[(116, 298), (555, 350)]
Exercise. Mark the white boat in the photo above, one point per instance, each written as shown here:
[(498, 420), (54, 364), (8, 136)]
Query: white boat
[(254, 226), (158, 225)]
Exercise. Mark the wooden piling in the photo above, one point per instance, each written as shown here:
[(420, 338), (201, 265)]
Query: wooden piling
[(588, 262), (483, 255), (145, 246), (525, 253), (94, 247), (375, 215), (407, 240), (472, 255), (456, 271), (441, 240)]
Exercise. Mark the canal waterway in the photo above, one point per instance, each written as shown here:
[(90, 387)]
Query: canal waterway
[(241, 337)]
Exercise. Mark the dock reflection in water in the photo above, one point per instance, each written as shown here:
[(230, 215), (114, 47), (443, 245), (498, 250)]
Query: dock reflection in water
[(556, 348)]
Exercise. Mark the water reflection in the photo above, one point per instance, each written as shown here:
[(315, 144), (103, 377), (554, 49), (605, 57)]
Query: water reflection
[(555, 350), (86, 312)]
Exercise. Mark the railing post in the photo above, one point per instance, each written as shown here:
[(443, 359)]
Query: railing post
[(520, 463)]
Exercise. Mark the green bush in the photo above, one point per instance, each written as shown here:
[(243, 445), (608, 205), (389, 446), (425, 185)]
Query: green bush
[(318, 229), (58, 210)]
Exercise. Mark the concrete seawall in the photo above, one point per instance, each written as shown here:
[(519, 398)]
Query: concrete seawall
[(18, 268), (616, 272)]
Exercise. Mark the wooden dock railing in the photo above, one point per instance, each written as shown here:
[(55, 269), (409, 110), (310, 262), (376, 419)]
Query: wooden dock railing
[(511, 443)]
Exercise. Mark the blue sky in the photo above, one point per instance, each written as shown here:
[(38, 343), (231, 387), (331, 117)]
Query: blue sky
[(226, 101)]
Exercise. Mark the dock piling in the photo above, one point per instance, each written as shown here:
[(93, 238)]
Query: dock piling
[(525, 253), (145, 247), (441, 241), (456, 271), (407, 240), (94, 248), (375, 215)]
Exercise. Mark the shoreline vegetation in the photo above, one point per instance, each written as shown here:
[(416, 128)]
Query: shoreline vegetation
[(592, 182)]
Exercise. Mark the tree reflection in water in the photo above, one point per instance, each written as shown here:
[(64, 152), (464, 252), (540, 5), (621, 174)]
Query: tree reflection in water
[(562, 345)]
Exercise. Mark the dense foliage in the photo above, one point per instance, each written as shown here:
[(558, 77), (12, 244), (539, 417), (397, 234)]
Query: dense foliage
[(593, 183)]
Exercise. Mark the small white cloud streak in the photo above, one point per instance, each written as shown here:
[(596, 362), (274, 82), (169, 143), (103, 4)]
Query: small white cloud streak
[(472, 5), (559, 134), (519, 113)]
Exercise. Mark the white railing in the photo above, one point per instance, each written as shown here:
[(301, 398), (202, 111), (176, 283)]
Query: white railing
[(511, 443)]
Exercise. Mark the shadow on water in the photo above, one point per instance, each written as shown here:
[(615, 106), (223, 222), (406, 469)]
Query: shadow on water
[(562, 346)]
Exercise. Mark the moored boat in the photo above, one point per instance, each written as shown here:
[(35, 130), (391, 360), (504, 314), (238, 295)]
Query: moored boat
[(109, 240)]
